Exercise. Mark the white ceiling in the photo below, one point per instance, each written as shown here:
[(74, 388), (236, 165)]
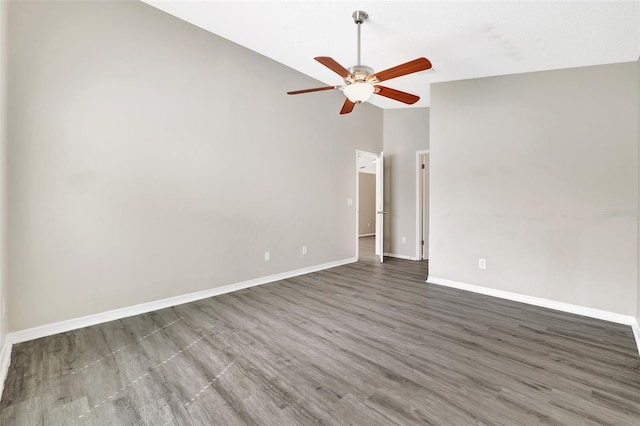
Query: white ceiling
[(463, 39)]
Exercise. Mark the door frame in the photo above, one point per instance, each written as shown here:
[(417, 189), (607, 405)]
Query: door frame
[(379, 238), (372, 155), (419, 204)]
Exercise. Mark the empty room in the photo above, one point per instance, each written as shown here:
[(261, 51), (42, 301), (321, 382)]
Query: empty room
[(319, 212)]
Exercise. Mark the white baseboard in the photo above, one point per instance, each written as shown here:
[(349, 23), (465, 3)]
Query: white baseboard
[(635, 326), (367, 235), (89, 320), (546, 303), (400, 256), (5, 360)]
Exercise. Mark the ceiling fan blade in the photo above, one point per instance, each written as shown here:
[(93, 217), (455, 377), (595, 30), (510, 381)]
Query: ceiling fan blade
[(410, 67), (333, 66), (347, 107), (397, 95), (317, 89)]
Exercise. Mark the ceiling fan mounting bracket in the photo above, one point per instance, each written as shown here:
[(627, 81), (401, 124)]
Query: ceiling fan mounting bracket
[(359, 16)]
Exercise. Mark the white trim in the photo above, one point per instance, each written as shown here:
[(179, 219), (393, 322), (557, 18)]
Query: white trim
[(373, 234), (545, 303), (400, 256), (635, 326), (380, 207), (357, 203), (419, 204), (89, 320), (5, 361)]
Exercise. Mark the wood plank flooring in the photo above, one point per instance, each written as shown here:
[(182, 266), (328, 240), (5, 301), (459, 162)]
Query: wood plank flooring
[(361, 344)]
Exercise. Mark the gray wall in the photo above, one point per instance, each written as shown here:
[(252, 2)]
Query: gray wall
[(150, 159), (367, 204), (538, 173), (638, 211), (405, 131), (3, 165)]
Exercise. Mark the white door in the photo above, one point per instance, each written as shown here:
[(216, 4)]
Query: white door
[(425, 206), (380, 207)]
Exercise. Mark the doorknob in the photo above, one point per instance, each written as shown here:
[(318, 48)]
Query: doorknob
[(381, 212)]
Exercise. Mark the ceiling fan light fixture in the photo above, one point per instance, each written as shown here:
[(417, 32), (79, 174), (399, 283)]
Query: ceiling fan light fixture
[(359, 92)]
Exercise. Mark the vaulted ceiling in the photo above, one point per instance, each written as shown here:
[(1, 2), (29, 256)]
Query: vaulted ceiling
[(463, 39)]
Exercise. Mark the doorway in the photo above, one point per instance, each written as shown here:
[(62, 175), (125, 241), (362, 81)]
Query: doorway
[(368, 198), (422, 205)]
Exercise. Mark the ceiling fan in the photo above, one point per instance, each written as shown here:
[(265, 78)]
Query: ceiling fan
[(361, 81)]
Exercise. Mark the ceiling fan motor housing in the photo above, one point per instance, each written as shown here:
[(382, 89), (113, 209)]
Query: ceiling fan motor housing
[(359, 73)]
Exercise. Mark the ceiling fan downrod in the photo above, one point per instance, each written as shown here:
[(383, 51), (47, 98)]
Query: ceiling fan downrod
[(358, 73), (359, 16)]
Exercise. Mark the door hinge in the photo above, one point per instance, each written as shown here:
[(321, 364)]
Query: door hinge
[(422, 242), (423, 166)]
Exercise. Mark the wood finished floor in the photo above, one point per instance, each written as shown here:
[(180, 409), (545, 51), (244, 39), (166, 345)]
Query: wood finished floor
[(362, 344)]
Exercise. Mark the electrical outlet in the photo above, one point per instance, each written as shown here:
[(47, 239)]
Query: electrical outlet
[(267, 256), (482, 263), (304, 250), (404, 240), (349, 201)]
